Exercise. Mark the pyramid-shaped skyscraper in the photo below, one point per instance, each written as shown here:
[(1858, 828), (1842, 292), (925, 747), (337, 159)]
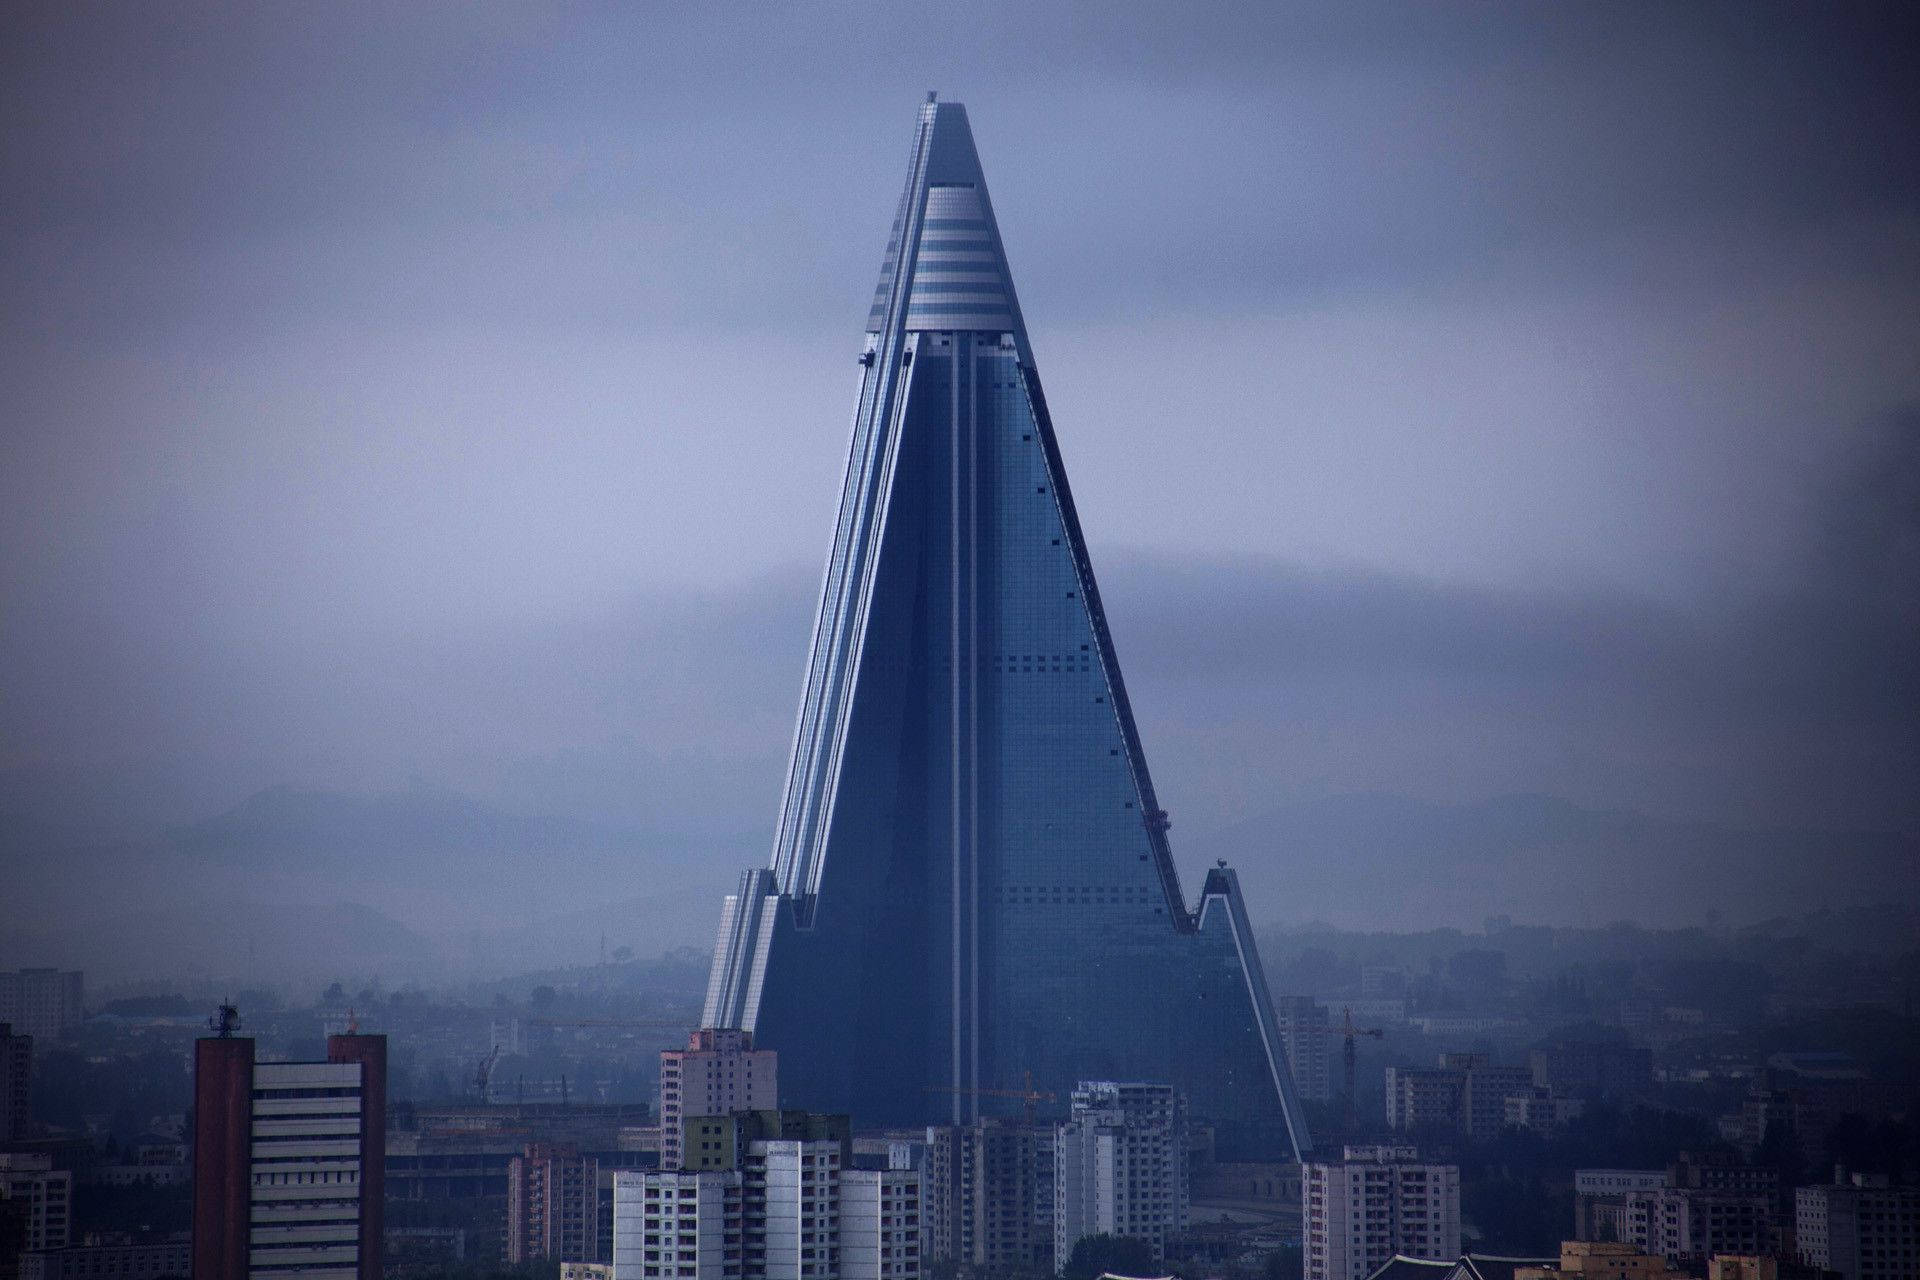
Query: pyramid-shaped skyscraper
[(971, 885)]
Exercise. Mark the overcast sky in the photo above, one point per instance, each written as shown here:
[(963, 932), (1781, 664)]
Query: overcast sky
[(1461, 399)]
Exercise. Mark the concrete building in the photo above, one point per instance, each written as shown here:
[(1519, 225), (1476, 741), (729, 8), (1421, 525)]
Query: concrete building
[(553, 1205), (1467, 1093), (289, 1161), (16, 1081), (717, 1074), (1696, 1223), (1591, 1068), (773, 1198), (1601, 1260), (31, 1182), (1376, 1204), (881, 1229), (1306, 1033), (968, 826), (46, 1004), (1862, 1228), (1120, 1166), (985, 1188), (669, 1223), (166, 1260), (1541, 1110), (1600, 1200)]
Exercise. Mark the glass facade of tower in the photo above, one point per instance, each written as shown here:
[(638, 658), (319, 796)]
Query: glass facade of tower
[(971, 881)]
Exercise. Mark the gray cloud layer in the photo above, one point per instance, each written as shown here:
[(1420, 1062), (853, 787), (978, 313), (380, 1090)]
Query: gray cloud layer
[(1462, 401)]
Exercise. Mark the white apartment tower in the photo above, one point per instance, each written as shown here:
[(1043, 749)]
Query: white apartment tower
[(790, 1210), (677, 1224), (1375, 1203), (1120, 1166), (717, 1074)]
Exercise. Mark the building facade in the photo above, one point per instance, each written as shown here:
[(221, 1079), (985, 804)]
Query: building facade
[(168, 1260), (1862, 1228), (968, 826), (1467, 1093), (1120, 1166), (16, 1083), (45, 1195), (46, 1004), (1378, 1202), (1307, 1032), (1600, 1200), (717, 1074), (778, 1199), (989, 1195), (1695, 1223), (289, 1161), (553, 1205)]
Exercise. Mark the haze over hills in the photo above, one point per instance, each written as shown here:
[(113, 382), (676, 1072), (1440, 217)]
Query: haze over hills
[(430, 885), (1374, 861)]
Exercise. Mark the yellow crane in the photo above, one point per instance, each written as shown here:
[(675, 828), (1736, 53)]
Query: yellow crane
[(1028, 1096)]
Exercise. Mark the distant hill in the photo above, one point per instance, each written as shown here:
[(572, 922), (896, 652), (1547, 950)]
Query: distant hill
[(1373, 861)]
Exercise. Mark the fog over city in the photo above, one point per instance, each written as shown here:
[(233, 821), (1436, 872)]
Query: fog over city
[(1497, 432)]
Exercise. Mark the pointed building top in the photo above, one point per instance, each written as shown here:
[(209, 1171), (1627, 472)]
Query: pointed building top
[(953, 274)]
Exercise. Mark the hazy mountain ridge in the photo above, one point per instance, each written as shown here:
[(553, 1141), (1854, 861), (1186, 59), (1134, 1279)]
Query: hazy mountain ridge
[(1372, 860), (433, 885)]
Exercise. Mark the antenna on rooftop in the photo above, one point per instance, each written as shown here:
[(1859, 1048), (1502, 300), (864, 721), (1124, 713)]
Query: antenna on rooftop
[(226, 1021)]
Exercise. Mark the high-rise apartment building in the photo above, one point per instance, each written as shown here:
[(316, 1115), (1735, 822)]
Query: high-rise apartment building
[(43, 1003), (16, 1083), (1307, 1033), (717, 1074), (1862, 1228), (1379, 1201), (1694, 1222), (989, 1195), (679, 1224), (553, 1205), (1120, 1166), (776, 1199), (29, 1181), (1467, 1092), (289, 1161), (969, 828)]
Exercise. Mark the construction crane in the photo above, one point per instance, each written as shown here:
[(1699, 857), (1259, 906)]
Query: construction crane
[(640, 1024), (1347, 1058), (1028, 1096), (483, 1073), (1348, 1065)]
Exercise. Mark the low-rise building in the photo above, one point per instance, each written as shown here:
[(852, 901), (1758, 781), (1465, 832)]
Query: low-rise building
[(164, 1260)]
